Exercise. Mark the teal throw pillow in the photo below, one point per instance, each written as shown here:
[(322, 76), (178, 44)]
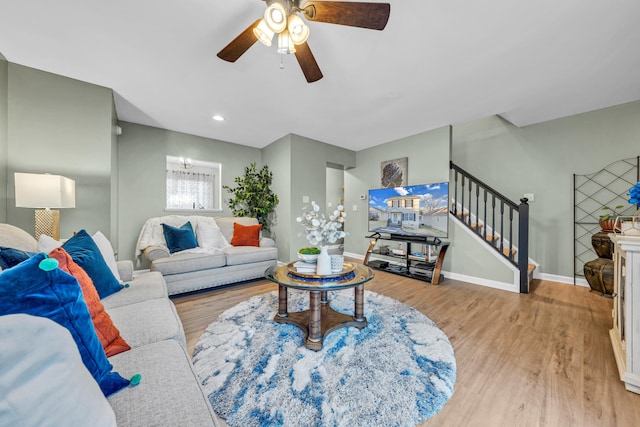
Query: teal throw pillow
[(37, 287), (10, 257), (86, 254), (179, 239)]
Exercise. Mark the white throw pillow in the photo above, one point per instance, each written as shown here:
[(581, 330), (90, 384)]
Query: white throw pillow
[(106, 250), (210, 237), (47, 243), (42, 378)]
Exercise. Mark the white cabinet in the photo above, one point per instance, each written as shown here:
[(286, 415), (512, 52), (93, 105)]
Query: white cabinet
[(625, 335)]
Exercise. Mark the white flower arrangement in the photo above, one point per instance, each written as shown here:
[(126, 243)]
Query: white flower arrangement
[(319, 231)]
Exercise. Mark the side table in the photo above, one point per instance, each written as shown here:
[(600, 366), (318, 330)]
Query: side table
[(320, 319)]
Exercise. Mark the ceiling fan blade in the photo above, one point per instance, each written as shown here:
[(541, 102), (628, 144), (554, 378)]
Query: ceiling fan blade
[(308, 63), (354, 14), (239, 45)]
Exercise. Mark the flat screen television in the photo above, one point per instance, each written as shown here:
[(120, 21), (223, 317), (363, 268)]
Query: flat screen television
[(410, 211)]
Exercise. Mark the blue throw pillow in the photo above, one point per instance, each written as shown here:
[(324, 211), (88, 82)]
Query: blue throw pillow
[(37, 287), (10, 257), (179, 239), (85, 253)]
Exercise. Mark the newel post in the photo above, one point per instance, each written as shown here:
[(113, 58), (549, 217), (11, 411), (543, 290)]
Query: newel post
[(523, 245)]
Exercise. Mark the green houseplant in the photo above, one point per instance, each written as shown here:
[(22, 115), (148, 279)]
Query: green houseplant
[(608, 219), (252, 195)]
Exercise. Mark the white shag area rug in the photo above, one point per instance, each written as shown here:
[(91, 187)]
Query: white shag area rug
[(398, 371)]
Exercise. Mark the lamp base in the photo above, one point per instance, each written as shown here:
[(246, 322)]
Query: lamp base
[(48, 222)]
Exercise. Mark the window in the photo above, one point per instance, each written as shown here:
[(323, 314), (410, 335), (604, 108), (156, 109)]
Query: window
[(408, 203), (193, 185)]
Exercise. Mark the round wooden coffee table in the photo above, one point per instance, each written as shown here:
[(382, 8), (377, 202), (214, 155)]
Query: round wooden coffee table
[(320, 319)]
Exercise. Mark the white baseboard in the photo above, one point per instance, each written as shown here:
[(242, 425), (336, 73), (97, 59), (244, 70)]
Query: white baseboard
[(561, 279), (482, 282)]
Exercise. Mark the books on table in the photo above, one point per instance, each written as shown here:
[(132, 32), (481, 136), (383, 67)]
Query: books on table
[(305, 267)]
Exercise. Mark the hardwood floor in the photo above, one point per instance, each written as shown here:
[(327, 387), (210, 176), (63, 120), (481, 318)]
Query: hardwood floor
[(542, 359)]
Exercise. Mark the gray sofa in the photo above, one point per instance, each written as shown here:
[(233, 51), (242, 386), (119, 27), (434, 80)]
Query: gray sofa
[(207, 266), (169, 393)]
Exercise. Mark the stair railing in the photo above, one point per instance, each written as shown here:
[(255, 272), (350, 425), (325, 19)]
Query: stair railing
[(493, 217)]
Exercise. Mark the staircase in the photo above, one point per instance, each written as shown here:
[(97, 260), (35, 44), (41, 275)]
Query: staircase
[(501, 223)]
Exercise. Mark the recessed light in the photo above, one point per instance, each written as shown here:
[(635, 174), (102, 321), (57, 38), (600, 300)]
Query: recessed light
[(218, 118)]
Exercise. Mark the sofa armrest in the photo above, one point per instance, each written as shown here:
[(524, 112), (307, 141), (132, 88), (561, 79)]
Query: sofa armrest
[(125, 270), (156, 252), (266, 242)]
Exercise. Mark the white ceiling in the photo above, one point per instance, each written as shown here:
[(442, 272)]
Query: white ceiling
[(437, 62)]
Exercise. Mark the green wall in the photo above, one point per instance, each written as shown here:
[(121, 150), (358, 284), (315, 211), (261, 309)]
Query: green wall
[(142, 152), (278, 156), (4, 95), (61, 126), (542, 159)]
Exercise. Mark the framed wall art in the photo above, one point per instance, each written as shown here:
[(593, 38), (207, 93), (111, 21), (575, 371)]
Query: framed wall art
[(393, 173)]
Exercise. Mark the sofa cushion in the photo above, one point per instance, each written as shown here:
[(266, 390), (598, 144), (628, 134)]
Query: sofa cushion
[(246, 235), (34, 287), (169, 393), (43, 380), (143, 287), (10, 257), (86, 254), (108, 334), (148, 322), (107, 252), (237, 255), (179, 238), (47, 243), (203, 279), (189, 261), (14, 237), (210, 237), (226, 224)]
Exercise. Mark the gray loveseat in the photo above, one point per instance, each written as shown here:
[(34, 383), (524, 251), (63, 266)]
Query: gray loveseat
[(215, 262), (169, 393)]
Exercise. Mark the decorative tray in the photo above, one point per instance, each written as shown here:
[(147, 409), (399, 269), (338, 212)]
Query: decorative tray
[(347, 268)]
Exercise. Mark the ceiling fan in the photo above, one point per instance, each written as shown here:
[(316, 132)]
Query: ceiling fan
[(281, 17)]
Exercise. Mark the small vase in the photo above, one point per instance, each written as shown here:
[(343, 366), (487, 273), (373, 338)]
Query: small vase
[(323, 266)]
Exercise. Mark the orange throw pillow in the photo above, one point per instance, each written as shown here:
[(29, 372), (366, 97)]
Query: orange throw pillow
[(109, 335), (246, 235)]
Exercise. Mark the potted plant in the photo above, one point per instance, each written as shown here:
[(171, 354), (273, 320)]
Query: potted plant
[(608, 219), (252, 195)]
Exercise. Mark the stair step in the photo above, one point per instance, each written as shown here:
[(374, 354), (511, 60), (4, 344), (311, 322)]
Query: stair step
[(492, 238), (477, 225), (513, 251), (530, 269)]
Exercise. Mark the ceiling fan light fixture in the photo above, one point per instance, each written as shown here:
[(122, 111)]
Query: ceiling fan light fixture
[(285, 44), (298, 30), (263, 33), (276, 17)]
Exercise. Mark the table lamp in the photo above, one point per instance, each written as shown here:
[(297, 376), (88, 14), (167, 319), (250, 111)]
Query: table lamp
[(43, 192)]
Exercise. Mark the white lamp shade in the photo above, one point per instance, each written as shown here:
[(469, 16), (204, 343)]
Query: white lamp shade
[(285, 44), (263, 33), (298, 30), (34, 190), (276, 17)]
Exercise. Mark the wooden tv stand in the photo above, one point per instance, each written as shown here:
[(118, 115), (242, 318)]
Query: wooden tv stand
[(403, 260)]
